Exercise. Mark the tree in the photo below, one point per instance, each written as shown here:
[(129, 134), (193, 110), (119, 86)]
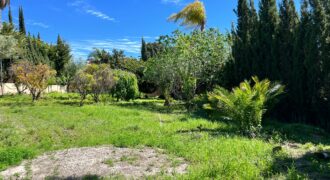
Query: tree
[(3, 4), (70, 70), (34, 77), (144, 55), (94, 80), (63, 55), (193, 15), (190, 63), (10, 16), (117, 58), (268, 24), (8, 50), (285, 39), (126, 87), (298, 76), (21, 24), (99, 56), (243, 39)]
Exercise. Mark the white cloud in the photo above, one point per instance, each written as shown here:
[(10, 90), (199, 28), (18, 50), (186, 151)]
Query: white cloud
[(172, 1), (82, 48), (39, 24), (82, 5)]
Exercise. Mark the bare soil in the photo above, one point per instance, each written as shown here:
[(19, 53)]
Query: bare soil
[(98, 162)]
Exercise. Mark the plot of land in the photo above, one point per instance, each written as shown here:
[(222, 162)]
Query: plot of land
[(54, 137)]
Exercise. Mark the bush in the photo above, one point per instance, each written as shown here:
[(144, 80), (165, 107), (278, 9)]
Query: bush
[(35, 77), (126, 87), (246, 104), (94, 80)]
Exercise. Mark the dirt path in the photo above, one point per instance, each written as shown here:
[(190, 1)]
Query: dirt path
[(78, 163)]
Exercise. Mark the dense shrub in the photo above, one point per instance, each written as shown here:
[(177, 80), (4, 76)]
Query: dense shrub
[(246, 104), (35, 77), (126, 87), (94, 80)]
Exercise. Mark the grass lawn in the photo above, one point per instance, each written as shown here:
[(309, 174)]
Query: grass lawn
[(212, 149)]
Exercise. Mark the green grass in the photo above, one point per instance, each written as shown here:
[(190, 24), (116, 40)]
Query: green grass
[(213, 150)]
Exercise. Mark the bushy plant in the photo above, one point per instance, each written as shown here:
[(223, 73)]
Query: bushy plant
[(246, 104), (126, 87), (94, 80), (35, 77)]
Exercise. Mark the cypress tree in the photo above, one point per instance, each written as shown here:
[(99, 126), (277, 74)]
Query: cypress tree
[(253, 55), (298, 75), (285, 39), (21, 21), (266, 41), (39, 37), (144, 55), (313, 58), (63, 55), (10, 16), (241, 41)]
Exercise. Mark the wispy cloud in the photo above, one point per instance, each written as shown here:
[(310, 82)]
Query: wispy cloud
[(32, 22), (39, 24), (172, 1), (82, 48), (82, 5)]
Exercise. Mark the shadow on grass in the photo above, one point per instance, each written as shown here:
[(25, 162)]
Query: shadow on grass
[(87, 177), (176, 108), (297, 133), (306, 166)]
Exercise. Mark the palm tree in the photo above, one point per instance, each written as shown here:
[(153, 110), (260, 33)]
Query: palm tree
[(3, 4), (193, 15)]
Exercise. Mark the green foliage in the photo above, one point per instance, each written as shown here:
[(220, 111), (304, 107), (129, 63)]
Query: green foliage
[(126, 87), (62, 56), (94, 80), (21, 24), (246, 104), (188, 62)]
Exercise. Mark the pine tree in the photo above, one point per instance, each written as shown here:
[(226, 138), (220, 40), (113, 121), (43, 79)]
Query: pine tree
[(268, 24), (21, 21), (63, 55), (144, 55), (10, 16)]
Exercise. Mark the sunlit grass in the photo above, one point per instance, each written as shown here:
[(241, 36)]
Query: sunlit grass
[(57, 122)]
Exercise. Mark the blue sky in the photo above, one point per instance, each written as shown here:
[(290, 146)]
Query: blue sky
[(109, 24)]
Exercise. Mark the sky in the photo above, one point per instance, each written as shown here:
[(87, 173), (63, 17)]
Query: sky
[(108, 24)]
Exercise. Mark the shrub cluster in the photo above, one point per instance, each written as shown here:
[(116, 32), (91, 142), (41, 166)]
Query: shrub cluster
[(126, 87)]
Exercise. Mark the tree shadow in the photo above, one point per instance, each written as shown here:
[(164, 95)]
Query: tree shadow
[(307, 166), (297, 133), (176, 108), (87, 177)]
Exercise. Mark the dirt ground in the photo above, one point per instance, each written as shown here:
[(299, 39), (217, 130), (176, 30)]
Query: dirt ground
[(79, 163)]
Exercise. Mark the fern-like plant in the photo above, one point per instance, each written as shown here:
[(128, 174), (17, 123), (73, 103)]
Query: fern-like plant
[(246, 104)]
